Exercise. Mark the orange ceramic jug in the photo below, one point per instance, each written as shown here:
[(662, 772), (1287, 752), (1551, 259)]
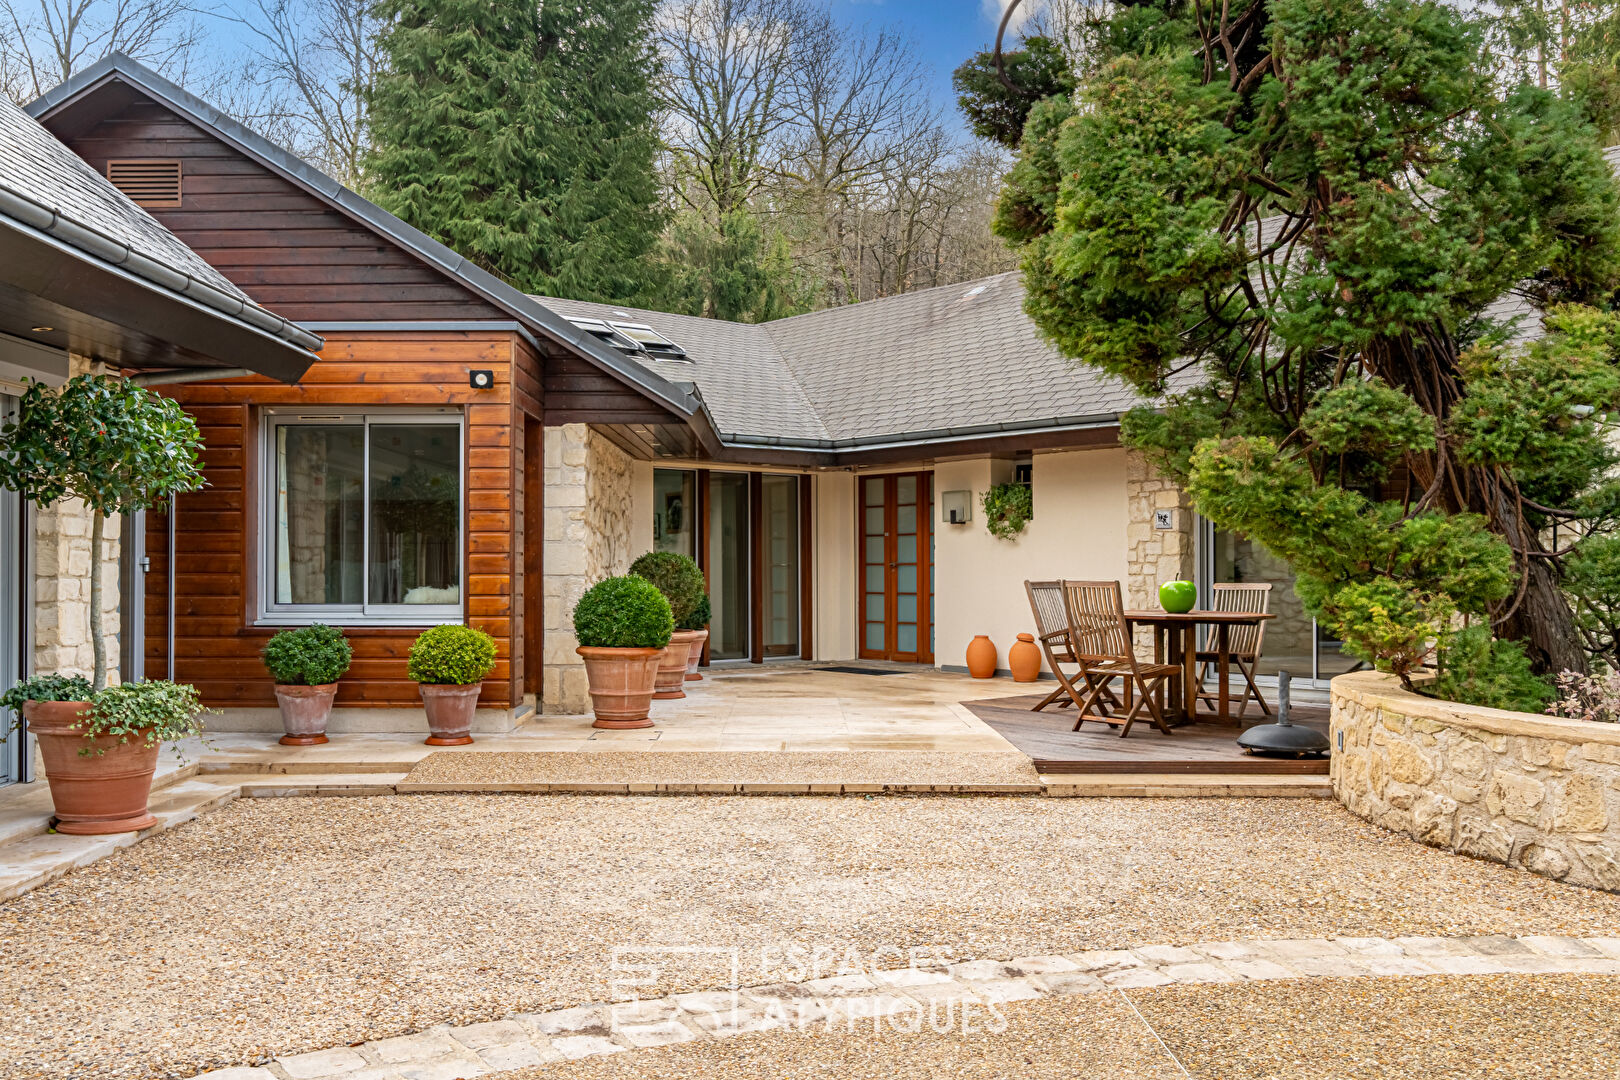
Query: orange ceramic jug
[(981, 657), (1024, 659)]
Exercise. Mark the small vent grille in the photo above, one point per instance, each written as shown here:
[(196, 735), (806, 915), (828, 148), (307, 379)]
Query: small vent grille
[(148, 182)]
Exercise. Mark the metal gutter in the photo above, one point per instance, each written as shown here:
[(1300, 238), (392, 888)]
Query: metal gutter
[(933, 437), (82, 238), (188, 375)]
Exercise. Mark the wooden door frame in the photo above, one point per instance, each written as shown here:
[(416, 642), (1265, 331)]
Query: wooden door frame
[(925, 567)]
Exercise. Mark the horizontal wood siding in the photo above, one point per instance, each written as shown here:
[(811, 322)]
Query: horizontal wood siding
[(216, 644), (576, 392), (282, 246)]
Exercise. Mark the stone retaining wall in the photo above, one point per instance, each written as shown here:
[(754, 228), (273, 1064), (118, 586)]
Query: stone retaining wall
[(1526, 790)]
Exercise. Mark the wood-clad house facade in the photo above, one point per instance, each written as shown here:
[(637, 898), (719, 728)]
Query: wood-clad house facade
[(428, 363)]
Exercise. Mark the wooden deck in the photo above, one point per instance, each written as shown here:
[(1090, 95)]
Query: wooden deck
[(1194, 748)]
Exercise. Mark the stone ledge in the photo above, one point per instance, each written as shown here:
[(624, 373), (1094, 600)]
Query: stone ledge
[(1534, 792), (1375, 690)]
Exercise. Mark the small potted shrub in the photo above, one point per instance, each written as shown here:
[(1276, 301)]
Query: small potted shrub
[(306, 664), (700, 623), (449, 663), (100, 749), (623, 624), (681, 582)]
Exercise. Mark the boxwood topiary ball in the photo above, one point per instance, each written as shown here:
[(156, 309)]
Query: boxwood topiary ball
[(452, 656), (681, 582), (308, 656), (623, 613)]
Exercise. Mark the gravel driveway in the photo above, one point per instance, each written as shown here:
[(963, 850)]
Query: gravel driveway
[(280, 925)]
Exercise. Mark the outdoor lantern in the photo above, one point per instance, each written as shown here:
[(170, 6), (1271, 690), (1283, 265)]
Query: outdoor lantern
[(957, 506)]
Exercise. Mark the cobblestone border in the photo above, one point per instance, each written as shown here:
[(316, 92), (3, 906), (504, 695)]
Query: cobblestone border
[(447, 1053)]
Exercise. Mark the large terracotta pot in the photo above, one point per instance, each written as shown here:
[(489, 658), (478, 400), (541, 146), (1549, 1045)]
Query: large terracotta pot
[(981, 657), (1024, 658), (304, 711), (692, 661), (673, 664), (621, 682), (449, 712), (103, 791)]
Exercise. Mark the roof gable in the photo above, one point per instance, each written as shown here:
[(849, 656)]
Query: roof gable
[(106, 90)]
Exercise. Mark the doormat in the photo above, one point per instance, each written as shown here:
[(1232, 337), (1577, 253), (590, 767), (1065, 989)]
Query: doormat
[(862, 670)]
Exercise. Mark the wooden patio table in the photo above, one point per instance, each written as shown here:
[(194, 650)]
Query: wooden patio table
[(1175, 641)]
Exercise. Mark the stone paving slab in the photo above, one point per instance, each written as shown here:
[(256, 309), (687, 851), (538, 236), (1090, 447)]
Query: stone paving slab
[(749, 772), (447, 1053)]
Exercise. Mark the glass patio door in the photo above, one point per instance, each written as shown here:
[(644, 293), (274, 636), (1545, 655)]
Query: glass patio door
[(897, 575), (730, 565), (779, 600)]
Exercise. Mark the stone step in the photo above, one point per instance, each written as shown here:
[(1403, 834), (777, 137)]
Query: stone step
[(1185, 785)]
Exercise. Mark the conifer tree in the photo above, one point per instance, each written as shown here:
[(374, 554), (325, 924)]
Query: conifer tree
[(521, 135), (1292, 220)]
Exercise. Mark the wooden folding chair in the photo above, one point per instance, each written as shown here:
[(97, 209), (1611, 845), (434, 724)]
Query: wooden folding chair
[(1052, 632), (1243, 642), (1102, 647)]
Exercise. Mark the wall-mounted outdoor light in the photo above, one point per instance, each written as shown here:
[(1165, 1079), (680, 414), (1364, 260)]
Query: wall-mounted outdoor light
[(481, 380), (956, 507)]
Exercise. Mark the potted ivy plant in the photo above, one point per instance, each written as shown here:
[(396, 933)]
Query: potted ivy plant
[(1007, 509), (449, 664), (306, 664), (623, 624), (100, 748), (117, 448), (681, 582)]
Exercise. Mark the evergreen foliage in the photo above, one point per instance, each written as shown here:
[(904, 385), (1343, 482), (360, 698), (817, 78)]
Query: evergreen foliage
[(308, 656), (523, 137), (1288, 220), (996, 111), (680, 580), (452, 655), (625, 612)]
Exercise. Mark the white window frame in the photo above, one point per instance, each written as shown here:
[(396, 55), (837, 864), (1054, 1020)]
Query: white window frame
[(273, 614)]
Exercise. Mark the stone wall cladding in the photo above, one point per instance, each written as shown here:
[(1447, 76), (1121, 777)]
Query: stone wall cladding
[(1530, 791), (62, 581), (1153, 555), (588, 491)]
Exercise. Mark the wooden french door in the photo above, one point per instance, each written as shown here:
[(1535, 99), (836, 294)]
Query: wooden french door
[(894, 520)]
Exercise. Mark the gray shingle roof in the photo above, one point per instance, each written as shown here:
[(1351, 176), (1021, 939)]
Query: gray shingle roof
[(950, 358), (743, 377), (34, 166)]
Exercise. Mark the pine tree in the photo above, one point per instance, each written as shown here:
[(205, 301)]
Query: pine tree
[(522, 136)]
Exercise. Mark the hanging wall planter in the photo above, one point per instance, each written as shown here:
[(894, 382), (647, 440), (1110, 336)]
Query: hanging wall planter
[(1007, 509)]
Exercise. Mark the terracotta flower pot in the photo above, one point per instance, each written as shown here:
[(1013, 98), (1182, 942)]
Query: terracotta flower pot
[(621, 682), (449, 712), (103, 791), (1024, 658), (673, 664), (304, 711), (696, 657), (981, 657)]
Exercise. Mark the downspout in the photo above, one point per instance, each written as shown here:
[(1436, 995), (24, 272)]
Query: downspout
[(168, 613)]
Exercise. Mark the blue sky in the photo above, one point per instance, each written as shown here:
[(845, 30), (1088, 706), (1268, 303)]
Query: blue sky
[(946, 32)]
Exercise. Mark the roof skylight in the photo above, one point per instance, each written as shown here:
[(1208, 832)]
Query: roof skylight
[(650, 340), (607, 333)]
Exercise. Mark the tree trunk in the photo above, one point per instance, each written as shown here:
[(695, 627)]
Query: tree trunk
[(1541, 620), (98, 644), (1543, 623)]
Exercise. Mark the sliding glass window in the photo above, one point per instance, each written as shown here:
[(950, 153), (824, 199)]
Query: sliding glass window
[(364, 514)]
